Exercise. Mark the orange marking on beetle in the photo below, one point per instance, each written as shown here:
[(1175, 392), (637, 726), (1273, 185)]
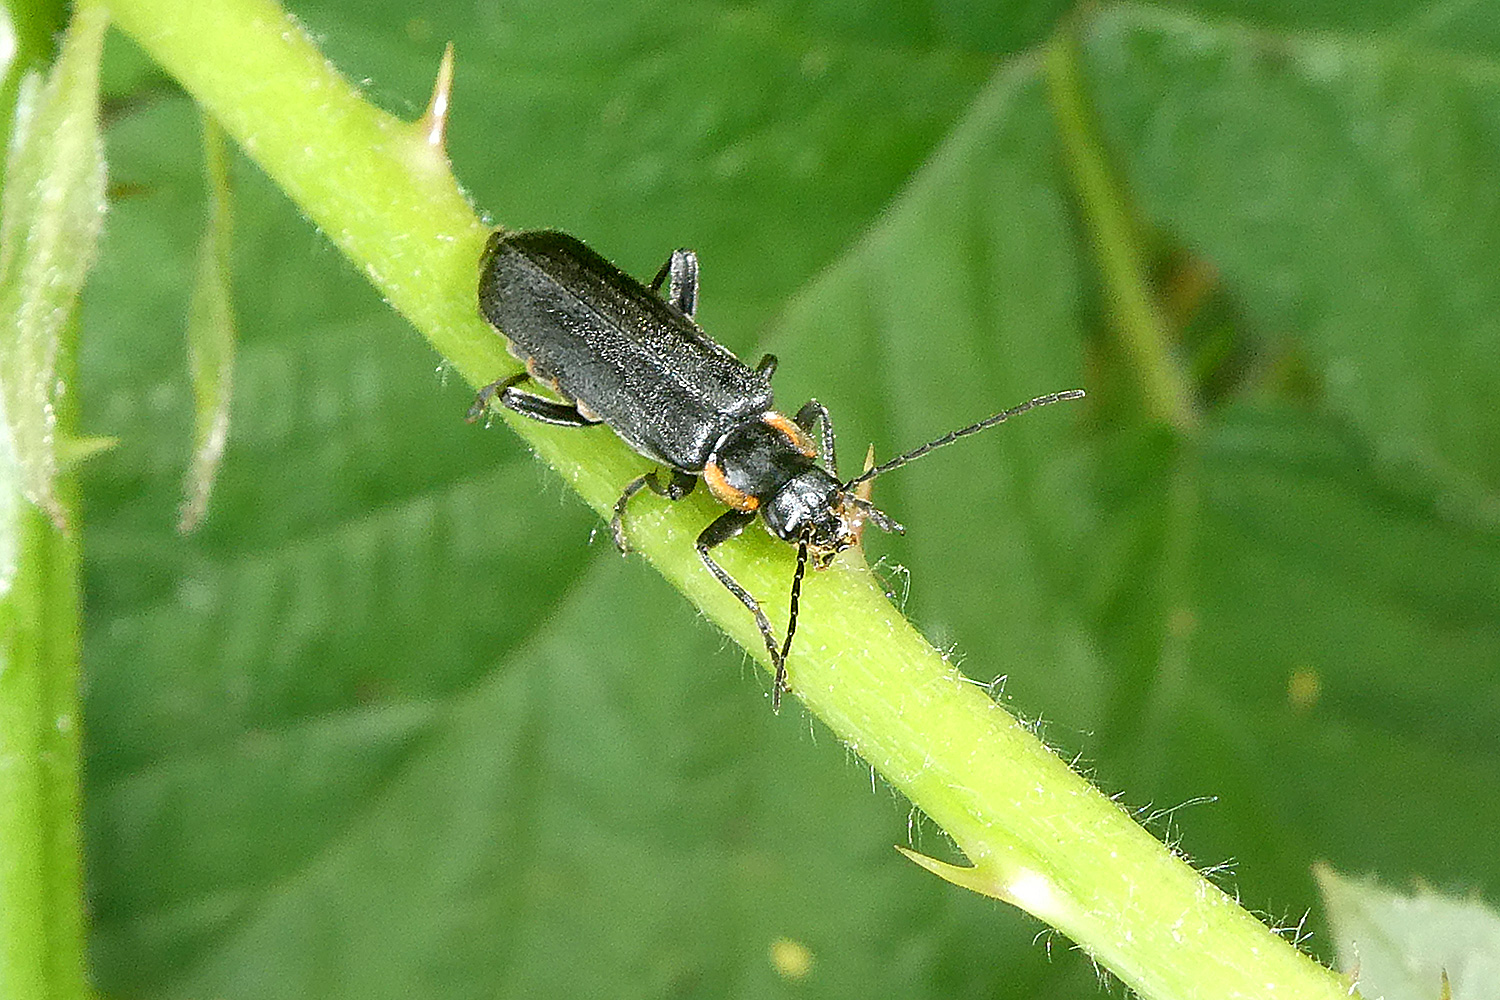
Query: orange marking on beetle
[(795, 435), (726, 494)]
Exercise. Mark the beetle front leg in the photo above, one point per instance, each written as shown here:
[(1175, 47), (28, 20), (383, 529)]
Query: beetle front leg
[(726, 526), (681, 485), (682, 290), (815, 412)]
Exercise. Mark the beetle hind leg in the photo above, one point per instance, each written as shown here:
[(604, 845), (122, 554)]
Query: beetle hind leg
[(527, 404), (482, 399), (680, 485)]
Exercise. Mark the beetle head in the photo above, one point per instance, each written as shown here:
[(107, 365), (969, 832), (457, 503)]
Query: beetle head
[(813, 506)]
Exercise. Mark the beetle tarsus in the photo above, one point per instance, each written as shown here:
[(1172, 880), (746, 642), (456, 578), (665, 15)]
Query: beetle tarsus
[(680, 485), (617, 522), (483, 397), (682, 290)]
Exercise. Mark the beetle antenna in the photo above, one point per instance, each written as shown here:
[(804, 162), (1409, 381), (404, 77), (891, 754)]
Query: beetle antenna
[(779, 684), (962, 432)]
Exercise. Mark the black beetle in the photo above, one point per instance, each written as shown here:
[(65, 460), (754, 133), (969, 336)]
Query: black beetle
[(617, 353)]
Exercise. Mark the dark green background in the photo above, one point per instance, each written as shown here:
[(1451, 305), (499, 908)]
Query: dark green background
[(389, 725)]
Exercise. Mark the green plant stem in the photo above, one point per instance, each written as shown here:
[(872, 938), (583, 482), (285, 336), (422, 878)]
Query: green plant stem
[(1038, 834), (41, 897), (1133, 311), (41, 878)]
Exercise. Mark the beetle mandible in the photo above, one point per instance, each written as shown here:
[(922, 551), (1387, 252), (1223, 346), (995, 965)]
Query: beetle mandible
[(618, 353)]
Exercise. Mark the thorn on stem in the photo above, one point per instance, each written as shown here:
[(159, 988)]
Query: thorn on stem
[(434, 121), (864, 490)]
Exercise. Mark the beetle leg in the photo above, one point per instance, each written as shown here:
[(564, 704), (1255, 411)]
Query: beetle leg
[(482, 400), (681, 485), (767, 367), (722, 529), (815, 412), (544, 410), (682, 291), (527, 404)]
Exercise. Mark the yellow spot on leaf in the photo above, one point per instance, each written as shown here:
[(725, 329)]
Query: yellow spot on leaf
[(1303, 689), (791, 959)]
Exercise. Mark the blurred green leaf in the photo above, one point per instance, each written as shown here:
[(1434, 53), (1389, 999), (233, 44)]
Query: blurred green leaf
[(1463, 27), (1342, 187), (210, 332), (50, 217), (389, 725), (1400, 945)]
